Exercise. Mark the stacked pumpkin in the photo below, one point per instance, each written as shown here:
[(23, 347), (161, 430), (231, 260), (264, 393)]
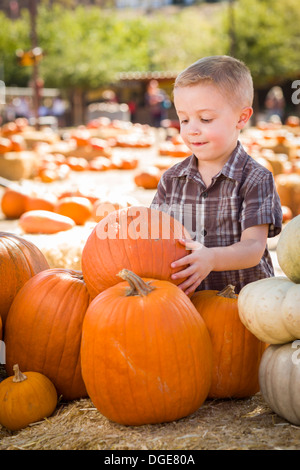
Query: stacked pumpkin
[(137, 346), (145, 352), (269, 308)]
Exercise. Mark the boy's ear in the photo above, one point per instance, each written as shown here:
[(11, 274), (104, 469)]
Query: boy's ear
[(245, 115)]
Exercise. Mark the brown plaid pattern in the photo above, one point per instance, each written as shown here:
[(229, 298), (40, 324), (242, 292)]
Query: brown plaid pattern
[(241, 195)]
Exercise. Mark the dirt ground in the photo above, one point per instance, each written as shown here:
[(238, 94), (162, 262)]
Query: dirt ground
[(245, 424)]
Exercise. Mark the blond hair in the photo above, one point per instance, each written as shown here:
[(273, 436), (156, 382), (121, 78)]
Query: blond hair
[(231, 76)]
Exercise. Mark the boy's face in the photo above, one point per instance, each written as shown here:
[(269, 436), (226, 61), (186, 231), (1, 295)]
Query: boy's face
[(209, 124)]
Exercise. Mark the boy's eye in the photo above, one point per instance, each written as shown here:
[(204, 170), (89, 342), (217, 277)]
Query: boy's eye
[(206, 120)]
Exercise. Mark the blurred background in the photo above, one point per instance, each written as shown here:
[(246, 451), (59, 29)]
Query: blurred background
[(65, 62)]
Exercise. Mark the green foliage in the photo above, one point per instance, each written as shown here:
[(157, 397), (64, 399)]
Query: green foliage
[(267, 38), (13, 36)]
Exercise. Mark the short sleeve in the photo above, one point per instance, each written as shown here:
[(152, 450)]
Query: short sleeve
[(160, 195), (262, 205)]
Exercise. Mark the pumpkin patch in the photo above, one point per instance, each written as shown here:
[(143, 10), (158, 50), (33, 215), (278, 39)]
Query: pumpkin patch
[(137, 359)]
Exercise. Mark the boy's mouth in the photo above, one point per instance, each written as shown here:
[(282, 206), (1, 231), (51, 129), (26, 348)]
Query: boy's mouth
[(198, 144)]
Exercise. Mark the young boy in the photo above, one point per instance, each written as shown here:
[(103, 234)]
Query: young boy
[(225, 199)]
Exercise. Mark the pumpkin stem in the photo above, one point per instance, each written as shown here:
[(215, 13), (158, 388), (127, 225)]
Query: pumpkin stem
[(138, 286), (19, 376), (228, 292)]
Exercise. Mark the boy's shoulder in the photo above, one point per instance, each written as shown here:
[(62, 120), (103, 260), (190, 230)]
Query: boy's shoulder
[(181, 168)]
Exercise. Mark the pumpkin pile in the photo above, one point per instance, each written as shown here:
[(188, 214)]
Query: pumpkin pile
[(132, 341), (269, 308), (47, 156)]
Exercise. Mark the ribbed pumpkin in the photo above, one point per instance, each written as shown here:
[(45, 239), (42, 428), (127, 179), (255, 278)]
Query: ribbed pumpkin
[(145, 352), (43, 329), (236, 351), (20, 260), (288, 250), (137, 238), (269, 308), (26, 398), (279, 378)]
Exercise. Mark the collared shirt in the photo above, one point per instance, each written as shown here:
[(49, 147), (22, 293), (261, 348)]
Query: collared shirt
[(241, 195)]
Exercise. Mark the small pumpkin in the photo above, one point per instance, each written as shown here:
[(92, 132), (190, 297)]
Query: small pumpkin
[(78, 209), (148, 178), (236, 351), (41, 201), (288, 250), (13, 202), (279, 378), (43, 329), (20, 260), (269, 308), (26, 398), (145, 352), (137, 238), (43, 221)]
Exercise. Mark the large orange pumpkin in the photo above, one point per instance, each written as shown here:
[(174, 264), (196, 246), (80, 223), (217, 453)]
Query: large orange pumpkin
[(137, 238), (236, 351), (19, 261), (145, 352), (43, 329)]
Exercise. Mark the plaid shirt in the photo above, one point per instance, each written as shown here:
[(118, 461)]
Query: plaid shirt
[(241, 195)]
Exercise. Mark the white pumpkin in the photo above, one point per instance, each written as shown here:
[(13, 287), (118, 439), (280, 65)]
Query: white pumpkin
[(279, 380), (270, 309), (288, 250)]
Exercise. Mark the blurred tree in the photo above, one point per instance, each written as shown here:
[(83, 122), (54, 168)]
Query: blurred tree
[(267, 38)]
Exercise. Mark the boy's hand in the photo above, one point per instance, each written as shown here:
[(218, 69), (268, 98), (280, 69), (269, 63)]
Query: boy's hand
[(199, 262)]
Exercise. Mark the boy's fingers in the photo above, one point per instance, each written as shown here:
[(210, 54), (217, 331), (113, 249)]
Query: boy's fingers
[(190, 244)]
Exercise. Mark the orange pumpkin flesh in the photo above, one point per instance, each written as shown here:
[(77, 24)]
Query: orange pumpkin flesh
[(43, 329), (236, 351), (20, 260), (26, 398), (140, 239), (146, 352)]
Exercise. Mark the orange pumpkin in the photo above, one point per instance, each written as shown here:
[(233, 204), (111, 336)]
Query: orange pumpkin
[(25, 399), (13, 203), (47, 222), (236, 351), (137, 238), (20, 260), (43, 329), (146, 352), (78, 209), (41, 202), (148, 178)]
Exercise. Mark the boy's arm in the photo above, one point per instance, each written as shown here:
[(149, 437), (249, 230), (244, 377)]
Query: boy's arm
[(202, 260)]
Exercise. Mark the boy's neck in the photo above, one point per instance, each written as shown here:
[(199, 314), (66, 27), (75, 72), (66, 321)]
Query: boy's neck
[(209, 169)]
